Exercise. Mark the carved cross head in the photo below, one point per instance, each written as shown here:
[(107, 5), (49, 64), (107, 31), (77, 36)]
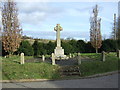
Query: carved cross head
[(58, 27)]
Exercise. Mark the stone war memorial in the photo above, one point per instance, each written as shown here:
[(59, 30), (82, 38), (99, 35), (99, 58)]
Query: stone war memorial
[(58, 51)]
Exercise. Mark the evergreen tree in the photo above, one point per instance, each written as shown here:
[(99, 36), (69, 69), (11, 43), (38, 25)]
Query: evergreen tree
[(26, 48), (36, 48)]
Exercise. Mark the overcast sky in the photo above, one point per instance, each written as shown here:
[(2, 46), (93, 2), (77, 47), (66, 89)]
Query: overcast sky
[(38, 19)]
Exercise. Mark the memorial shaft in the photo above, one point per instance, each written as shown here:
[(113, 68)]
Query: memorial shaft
[(58, 38)]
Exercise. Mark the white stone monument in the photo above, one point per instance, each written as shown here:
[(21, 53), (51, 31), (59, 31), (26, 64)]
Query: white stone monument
[(103, 56), (43, 58), (58, 51), (79, 59), (22, 58), (53, 59), (70, 56)]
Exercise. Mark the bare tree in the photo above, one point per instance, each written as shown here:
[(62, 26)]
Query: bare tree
[(114, 29), (11, 36), (118, 29), (95, 33)]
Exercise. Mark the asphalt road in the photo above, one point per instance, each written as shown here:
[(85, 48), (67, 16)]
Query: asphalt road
[(110, 81)]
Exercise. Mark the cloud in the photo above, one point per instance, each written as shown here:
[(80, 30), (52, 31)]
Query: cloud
[(107, 19), (34, 13), (76, 12), (52, 34)]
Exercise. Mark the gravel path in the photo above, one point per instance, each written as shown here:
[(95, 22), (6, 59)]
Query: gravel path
[(110, 81)]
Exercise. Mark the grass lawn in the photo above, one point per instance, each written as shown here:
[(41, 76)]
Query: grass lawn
[(12, 69), (97, 66)]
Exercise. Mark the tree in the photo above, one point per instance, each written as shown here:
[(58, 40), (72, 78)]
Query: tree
[(50, 46), (26, 48), (11, 36), (118, 28), (108, 45), (36, 48), (73, 42), (0, 43), (68, 48), (95, 33), (114, 32), (81, 46)]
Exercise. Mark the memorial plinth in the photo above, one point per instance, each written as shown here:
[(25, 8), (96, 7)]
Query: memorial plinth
[(58, 51)]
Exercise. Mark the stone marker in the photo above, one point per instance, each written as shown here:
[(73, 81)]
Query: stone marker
[(118, 54), (103, 56), (5, 56), (58, 51), (78, 54), (43, 58), (73, 55), (53, 59), (79, 59), (22, 58), (70, 56)]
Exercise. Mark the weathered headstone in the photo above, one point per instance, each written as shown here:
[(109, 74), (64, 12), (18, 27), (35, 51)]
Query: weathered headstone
[(118, 54), (79, 59), (53, 59), (103, 56), (22, 58), (43, 58)]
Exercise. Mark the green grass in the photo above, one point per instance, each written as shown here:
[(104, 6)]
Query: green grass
[(12, 69), (97, 66)]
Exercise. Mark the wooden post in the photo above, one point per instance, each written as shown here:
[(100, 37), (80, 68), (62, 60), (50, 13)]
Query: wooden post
[(53, 59), (22, 58), (103, 56)]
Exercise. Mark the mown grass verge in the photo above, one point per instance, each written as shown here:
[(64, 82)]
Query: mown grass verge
[(98, 66), (12, 69)]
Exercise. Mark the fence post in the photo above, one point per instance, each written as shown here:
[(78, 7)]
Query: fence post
[(103, 56), (79, 59), (22, 58), (53, 59), (43, 58)]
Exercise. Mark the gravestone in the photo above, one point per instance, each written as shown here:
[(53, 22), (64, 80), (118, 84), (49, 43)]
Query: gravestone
[(58, 51), (103, 56), (22, 58), (53, 59), (43, 58)]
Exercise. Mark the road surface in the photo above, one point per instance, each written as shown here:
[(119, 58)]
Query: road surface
[(110, 81)]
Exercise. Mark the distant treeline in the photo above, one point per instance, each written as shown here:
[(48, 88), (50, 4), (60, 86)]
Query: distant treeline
[(69, 46)]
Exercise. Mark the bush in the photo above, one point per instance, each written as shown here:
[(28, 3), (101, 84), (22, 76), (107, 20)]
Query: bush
[(25, 48)]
